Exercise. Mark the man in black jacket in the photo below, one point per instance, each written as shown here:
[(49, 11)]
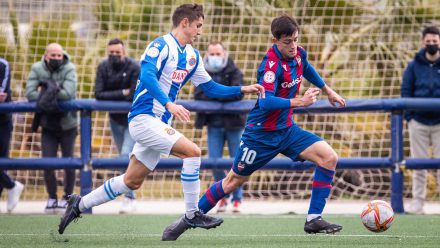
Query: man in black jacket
[(222, 127), (15, 188), (116, 80), (422, 79)]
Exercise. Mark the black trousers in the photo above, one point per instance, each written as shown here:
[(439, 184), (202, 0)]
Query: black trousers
[(5, 139), (50, 141)]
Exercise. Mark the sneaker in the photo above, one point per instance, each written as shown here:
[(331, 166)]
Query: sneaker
[(128, 206), (236, 206), (63, 203), (173, 231), (14, 196), (222, 206), (51, 206), (72, 212), (318, 225), (415, 208)]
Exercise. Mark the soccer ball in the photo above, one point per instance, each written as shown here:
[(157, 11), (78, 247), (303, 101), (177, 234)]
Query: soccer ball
[(377, 216)]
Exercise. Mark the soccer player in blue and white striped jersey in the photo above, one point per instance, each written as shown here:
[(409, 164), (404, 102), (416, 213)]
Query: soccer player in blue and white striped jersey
[(167, 64)]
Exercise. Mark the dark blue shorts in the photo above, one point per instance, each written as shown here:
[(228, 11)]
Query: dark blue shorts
[(257, 148)]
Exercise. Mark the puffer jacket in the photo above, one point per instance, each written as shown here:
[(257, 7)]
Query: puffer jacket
[(422, 79), (65, 77)]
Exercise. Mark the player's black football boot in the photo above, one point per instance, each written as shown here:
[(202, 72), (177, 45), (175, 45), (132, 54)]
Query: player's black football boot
[(318, 225), (173, 231), (72, 212)]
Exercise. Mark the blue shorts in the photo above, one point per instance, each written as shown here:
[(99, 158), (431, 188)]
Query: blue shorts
[(257, 148)]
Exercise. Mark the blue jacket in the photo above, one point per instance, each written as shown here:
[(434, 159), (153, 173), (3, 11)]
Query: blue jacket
[(422, 79)]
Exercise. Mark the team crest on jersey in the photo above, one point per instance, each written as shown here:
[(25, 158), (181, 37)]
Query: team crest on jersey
[(153, 52), (192, 61), (269, 77), (170, 131), (179, 75)]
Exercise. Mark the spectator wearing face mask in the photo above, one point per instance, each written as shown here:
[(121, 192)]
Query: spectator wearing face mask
[(116, 80), (222, 127), (422, 79), (54, 79)]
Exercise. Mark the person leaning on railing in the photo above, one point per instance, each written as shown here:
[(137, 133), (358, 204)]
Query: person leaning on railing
[(54, 77), (422, 79), (15, 187)]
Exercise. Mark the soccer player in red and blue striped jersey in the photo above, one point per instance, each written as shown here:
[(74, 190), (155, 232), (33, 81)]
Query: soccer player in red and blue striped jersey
[(270, 129)]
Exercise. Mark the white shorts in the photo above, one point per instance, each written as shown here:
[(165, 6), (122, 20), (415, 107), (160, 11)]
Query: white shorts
[(153, 138)]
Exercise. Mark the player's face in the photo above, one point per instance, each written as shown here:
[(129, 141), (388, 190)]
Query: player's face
[(287, 45), (193, 29)]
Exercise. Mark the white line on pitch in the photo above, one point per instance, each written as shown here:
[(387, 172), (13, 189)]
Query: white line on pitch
[(227, 235)]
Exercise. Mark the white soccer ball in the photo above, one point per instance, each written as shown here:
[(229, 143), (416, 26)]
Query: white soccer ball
[(377, 216)]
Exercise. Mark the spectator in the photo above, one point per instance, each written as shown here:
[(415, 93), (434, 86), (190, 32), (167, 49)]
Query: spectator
[(116, 80), (15, 188), (422, 79), (222, 127), (51, 79)]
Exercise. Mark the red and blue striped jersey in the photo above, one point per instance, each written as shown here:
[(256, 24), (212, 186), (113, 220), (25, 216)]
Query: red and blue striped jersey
[(281, 78)]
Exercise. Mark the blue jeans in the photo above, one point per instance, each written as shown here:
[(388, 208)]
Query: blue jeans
[(124, 143), (216, 142)]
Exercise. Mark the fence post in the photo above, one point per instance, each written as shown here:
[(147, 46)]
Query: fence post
[(86, 154), (397, 158)]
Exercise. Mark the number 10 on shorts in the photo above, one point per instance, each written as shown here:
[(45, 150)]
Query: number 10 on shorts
[(248, 156)]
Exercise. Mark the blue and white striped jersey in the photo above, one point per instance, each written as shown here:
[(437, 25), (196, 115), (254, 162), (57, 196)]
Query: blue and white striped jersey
[(165, 68)]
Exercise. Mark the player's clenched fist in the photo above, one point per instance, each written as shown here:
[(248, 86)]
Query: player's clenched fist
[(254, 88), (310, 96)]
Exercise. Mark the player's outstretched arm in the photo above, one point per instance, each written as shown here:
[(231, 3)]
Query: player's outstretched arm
[(333, 97), (254, 88)]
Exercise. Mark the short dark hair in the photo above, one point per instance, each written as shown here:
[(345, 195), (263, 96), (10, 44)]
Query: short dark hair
[(191, 11), (115, 42), (216, 42), (430, 30), (283, 25)]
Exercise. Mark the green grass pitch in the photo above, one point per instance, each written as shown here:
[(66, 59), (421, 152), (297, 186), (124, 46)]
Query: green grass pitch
[(236, 231)]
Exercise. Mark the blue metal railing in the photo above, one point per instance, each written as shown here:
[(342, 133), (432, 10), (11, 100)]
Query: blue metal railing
[(86, 163)]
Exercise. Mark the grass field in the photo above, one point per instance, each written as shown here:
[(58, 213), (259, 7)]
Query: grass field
[(236, 231)]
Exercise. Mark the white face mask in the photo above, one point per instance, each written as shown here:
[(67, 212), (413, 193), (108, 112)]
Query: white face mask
[(216, 63)]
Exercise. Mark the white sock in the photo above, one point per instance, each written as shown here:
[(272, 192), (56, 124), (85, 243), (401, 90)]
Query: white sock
[(191, 184), (111, 189), (312, 216)]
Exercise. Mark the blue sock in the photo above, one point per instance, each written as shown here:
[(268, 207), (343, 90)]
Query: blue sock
[(320, 189), (214, 194)]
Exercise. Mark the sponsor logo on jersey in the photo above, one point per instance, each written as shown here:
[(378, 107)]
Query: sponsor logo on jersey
[(192, 61), (157, 45), (271, 63), (291, 84), (153, 52), (269, 77), (241, 166), (285, 67), (179, 75), (170, 131)]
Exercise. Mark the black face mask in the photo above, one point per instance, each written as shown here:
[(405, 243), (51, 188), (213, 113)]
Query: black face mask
[(115, 61), (432, 49), (54, 64)]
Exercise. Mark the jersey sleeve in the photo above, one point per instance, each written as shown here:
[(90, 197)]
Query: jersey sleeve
[(200, 75), (310, 73), (153, 59), (267, 74)]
